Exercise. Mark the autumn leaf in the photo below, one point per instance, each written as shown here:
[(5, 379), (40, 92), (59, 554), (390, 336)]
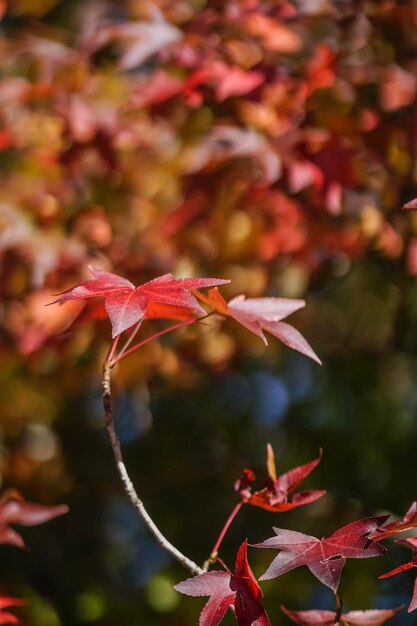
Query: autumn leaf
[(127, 305), (411, 543), (274, 497), (370, 617), (275, 36), (397, 88), (326, 557), (239, 590), (409, 521), (314, 617), (14, 510), (5, 603), (227, 80), (259, 314), (155, 89)]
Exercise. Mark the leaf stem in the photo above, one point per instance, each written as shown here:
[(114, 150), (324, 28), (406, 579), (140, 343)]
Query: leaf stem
[(223, 564), (339, 606), (112, 349), (126, 481), (213, 554), (151, 338), (129, 340)]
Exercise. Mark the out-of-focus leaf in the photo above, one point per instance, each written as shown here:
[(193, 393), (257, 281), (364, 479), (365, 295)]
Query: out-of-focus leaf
[(5, 603), (369, 617), (17, 511)]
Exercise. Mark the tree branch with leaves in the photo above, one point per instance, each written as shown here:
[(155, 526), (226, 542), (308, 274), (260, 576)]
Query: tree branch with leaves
[(166, 297)]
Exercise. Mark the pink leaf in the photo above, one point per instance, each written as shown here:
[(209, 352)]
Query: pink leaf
[(370, 617), (292, 338), (233, 81), (325, 558), (313, 617), (155, 89), (17, 511), (411, 204), (397, 88), (258, 314)]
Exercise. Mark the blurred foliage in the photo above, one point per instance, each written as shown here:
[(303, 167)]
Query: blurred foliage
[(269, 142)]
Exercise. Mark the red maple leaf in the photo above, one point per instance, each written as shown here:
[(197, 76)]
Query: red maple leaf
[(239, 590), (326, 557), (370, 617), (5, 603), (274, 497), (14, 510), (259, 314), (127, 305), (411, 543), (409, 521)]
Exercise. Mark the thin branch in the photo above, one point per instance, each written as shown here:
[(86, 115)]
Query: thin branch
[(127, 483)]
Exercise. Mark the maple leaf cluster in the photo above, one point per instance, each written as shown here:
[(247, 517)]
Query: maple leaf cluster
[(325, 558), (168, 297)]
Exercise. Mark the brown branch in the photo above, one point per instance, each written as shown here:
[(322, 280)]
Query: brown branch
[(128, 485)]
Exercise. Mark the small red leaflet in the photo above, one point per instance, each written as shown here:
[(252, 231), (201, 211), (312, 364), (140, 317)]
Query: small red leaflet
[(371, 617), (275, 496), (14, 510), (411, 543), (259, 314), (324, 558), (127, 305), (239, 590)]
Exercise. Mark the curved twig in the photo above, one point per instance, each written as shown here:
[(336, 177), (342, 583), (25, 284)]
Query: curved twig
[(127, 483)]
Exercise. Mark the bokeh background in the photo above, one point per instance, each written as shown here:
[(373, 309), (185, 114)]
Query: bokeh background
[(269, 142)]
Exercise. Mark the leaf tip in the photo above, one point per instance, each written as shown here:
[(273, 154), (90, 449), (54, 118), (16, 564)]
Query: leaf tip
[(411, 205)]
